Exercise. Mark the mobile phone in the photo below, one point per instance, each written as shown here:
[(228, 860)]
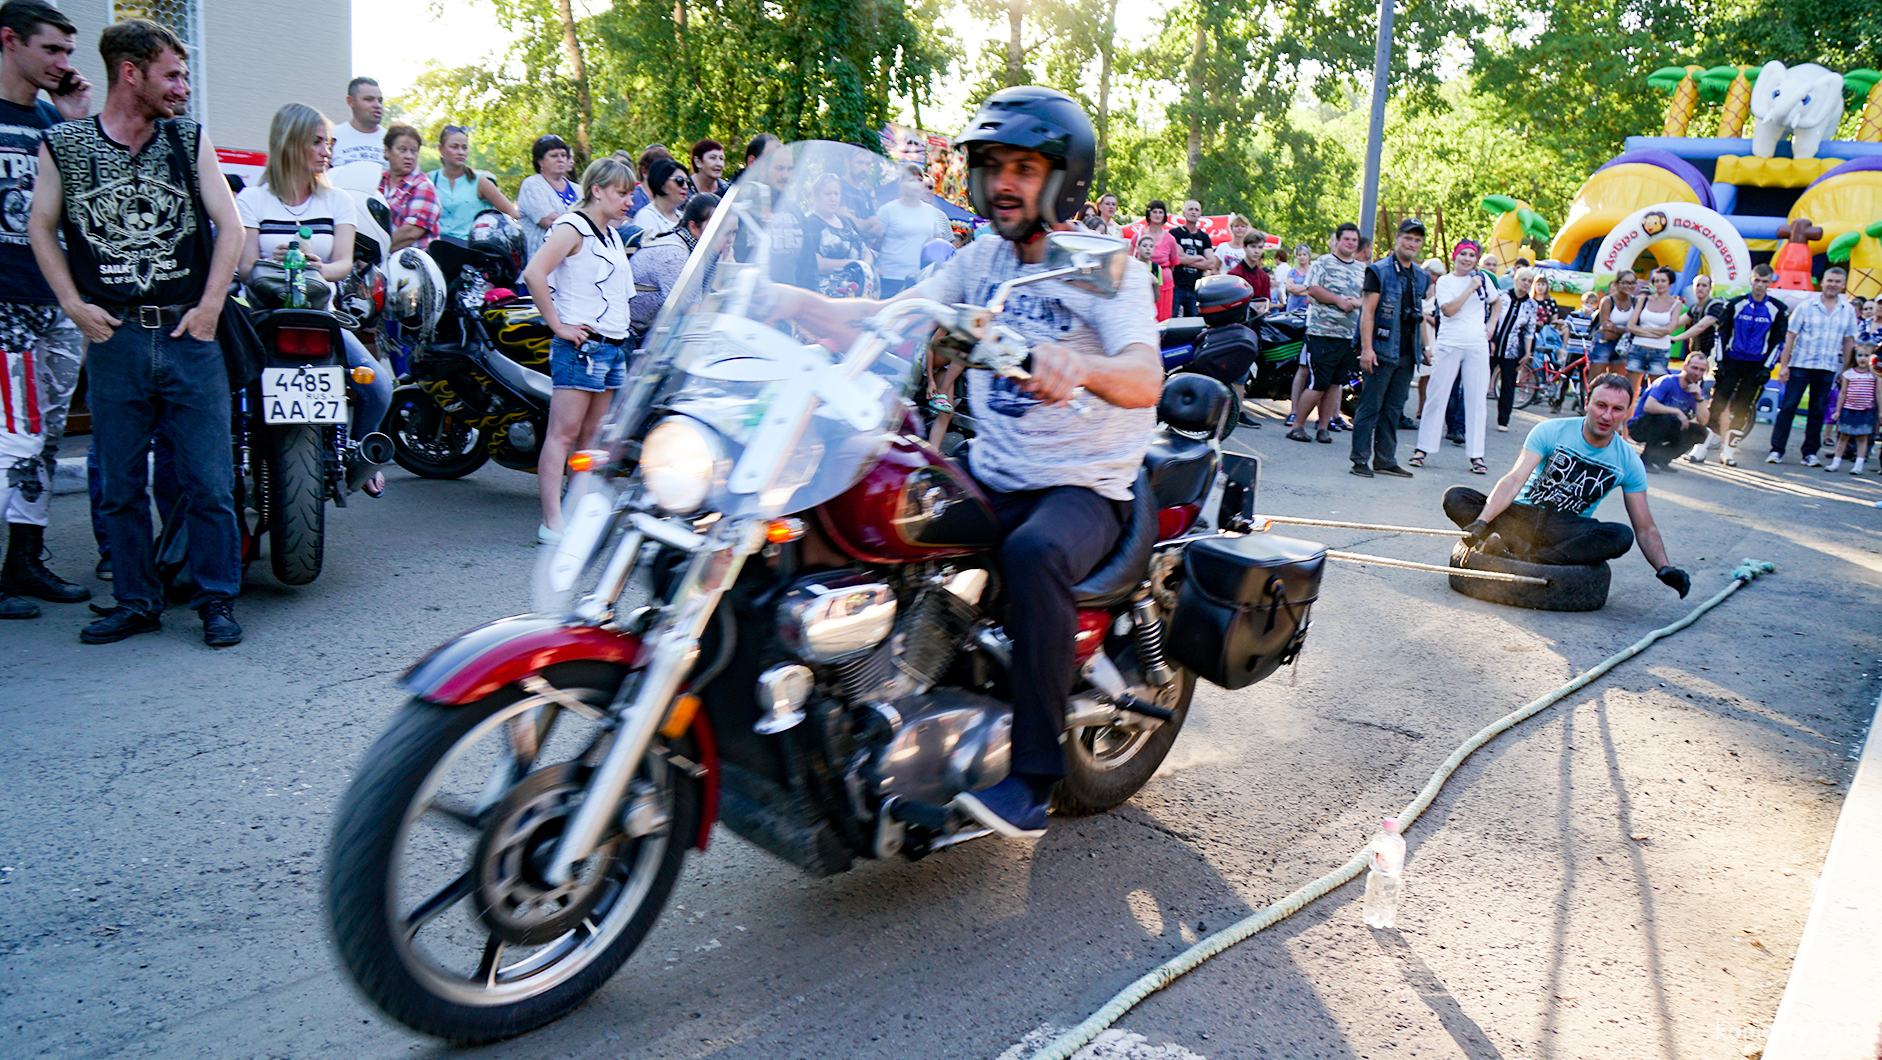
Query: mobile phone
[(67, 84)]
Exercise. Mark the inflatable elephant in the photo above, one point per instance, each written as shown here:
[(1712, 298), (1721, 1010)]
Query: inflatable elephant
[(1806, 99)]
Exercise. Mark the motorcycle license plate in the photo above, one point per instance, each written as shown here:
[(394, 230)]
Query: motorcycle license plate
[(304, 395)]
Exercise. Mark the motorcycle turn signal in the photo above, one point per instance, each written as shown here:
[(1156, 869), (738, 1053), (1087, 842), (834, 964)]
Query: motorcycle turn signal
[(362, 375), (588, 459)]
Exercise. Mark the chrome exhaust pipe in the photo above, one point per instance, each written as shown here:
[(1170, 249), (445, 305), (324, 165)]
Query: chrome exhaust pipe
[(365, 457)]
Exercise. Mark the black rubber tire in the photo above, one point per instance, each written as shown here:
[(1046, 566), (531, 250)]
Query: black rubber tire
[(369, 823), (1528, 386), (1571, 587), (1090, 788), (298, 503), (425, 445)]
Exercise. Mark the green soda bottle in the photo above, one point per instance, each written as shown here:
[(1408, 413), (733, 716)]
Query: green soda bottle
[(295, 261)]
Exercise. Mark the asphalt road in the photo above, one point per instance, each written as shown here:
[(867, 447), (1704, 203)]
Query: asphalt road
[(1626, 875)]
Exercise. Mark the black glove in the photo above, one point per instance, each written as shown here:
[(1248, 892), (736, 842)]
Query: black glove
[(1677, 580), (1476, 532)]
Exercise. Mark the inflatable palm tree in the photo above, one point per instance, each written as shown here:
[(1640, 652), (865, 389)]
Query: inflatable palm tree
[(1683, 83), (1869, 81), (1515, 221), (1728, 85)]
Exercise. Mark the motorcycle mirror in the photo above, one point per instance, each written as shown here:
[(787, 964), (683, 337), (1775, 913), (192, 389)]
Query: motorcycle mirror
[(1091, 261)]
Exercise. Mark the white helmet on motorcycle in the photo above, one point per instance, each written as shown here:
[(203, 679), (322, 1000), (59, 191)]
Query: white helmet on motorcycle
[(415, 290)]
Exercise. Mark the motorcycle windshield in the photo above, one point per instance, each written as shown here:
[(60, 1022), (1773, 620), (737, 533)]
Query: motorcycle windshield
[(804, 399)]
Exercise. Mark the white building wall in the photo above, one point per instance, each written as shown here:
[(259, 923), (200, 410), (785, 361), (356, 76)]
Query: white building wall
[(256, 56)]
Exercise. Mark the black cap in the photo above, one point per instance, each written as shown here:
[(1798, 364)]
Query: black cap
[(1411, 224)]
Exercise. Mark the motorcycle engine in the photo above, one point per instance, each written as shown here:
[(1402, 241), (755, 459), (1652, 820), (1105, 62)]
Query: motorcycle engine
[(928, 634)]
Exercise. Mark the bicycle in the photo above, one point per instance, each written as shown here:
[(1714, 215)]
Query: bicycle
[(1534, 380)]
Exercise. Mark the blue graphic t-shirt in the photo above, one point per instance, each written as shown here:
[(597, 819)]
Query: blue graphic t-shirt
[(1574, 476)]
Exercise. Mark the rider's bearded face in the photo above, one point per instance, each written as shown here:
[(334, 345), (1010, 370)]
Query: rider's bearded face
[(1015, 177)]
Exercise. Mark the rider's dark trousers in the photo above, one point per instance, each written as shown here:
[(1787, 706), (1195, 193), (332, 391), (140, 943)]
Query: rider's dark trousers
[(1054, 538)]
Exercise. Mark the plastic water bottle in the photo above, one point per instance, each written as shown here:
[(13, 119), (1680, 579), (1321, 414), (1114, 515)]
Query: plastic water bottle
[(1382, 878), (295, 262)]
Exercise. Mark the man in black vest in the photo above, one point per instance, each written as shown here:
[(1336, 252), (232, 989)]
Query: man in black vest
[(1391, 343), (134, 191)]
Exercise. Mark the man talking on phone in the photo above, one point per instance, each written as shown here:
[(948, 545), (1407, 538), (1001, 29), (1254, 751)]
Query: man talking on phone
[(41, 350)]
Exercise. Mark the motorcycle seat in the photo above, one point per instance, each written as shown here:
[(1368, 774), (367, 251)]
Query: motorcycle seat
[(1119, 574), (1179, 331), (523, 380), (1180, 469)]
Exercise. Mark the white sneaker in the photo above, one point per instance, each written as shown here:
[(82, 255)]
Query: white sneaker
[(1698, 454), (1856, 468), (1503, 428), (1730, 456), (1774, 457), (1833, 465), (1812, 461)]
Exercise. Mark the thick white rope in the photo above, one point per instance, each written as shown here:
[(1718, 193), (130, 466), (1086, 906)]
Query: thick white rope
[(1162, 975), (1262, 522), (1461, 572)]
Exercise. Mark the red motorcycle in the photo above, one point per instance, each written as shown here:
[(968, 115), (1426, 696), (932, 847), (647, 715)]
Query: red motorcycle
[(775, 607)]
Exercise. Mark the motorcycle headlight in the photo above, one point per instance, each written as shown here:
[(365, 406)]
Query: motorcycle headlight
[(677, 462)]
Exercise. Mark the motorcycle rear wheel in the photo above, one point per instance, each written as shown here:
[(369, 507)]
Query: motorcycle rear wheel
[(298, 504), (1106, 764), (436, 801), (430, 443)]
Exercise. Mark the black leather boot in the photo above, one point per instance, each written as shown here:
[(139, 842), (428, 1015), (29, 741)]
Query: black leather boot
[(25, 573)]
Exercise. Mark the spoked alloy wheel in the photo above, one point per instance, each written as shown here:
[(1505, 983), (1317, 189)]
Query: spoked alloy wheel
[(1106, 764), (430, 442), (435, 890)]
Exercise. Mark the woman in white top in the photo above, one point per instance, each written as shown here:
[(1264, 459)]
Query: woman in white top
[(1468, 304), (1107, 214), (1652, 324), (547, 193), (293, 194), (668, 188), (581, 282)]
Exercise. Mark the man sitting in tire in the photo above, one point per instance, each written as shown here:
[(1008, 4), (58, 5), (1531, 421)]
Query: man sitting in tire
[(1540, 511)]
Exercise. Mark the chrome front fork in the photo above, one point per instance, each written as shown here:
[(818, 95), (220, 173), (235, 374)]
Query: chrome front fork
[(670, 651)]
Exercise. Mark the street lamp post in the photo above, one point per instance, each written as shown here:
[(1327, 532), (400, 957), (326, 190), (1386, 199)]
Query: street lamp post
[(1375, 137)]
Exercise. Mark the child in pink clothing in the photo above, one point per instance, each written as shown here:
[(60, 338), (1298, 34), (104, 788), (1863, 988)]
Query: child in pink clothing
[(1855, 409)]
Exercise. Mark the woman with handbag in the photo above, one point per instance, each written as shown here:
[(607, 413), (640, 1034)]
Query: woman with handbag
[(294, 193)]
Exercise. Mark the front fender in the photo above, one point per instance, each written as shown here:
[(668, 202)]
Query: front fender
[(480, 661)]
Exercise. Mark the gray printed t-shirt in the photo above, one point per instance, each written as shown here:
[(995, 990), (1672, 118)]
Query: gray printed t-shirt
[(1022, 444), (1346, 278)]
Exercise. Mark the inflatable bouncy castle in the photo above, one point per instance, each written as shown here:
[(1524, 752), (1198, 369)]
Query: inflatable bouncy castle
[(1786, 194)]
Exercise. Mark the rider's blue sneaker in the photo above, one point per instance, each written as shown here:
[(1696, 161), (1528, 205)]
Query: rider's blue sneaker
[(1009, 808)]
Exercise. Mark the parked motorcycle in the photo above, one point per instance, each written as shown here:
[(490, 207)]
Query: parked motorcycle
[(290, 424), (774, 606), (478, 387), (1281, 336)]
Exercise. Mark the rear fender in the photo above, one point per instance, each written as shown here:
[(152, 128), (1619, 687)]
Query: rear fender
[(480, 661)]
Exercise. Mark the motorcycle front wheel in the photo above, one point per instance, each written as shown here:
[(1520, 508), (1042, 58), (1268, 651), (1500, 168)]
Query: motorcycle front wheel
[(429, 442), (435, 894), (297, 507), (1107, 764)]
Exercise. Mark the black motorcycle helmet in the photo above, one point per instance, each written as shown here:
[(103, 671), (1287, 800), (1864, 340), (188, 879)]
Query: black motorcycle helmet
[(1223, 300), (1038, 119)]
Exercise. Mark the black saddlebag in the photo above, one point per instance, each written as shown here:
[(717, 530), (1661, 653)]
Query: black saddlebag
[(1242, 611)]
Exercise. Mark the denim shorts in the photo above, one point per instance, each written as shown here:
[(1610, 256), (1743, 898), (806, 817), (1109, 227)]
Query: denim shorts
[(596, 367), (1856, 422), (1605, 353), (1646, 360)]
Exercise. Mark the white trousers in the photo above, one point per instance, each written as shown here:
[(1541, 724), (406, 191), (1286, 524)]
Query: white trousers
[(1446, 363)]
